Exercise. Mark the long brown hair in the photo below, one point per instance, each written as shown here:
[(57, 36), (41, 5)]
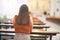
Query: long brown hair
[(23, 16)]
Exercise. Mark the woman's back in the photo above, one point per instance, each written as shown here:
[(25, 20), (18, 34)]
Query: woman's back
[(23, 28)]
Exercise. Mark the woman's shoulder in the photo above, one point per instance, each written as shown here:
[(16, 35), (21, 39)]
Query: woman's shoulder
[(31, 18), (15, 16)]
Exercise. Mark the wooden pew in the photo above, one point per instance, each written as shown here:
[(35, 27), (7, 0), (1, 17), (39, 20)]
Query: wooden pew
[(41, 27), (34, 26), (46, 33), (39, 33), (36, 21), (54, 19)]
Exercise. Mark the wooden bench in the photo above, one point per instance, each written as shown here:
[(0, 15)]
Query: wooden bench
[(39, 33), (46, 33), (40, 37), (54, 19), (41, 27), (36, 21), (34, 26)]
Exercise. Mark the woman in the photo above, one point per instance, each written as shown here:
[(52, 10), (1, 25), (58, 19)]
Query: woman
[(23, 24)]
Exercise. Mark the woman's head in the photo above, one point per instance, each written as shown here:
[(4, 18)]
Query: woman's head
[(23, 16), (23, 9)]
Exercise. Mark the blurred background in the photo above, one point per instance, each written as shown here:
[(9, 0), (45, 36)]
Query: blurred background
[(41, 9)]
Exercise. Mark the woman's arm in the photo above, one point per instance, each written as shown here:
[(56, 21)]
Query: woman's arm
[(31, 23)]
